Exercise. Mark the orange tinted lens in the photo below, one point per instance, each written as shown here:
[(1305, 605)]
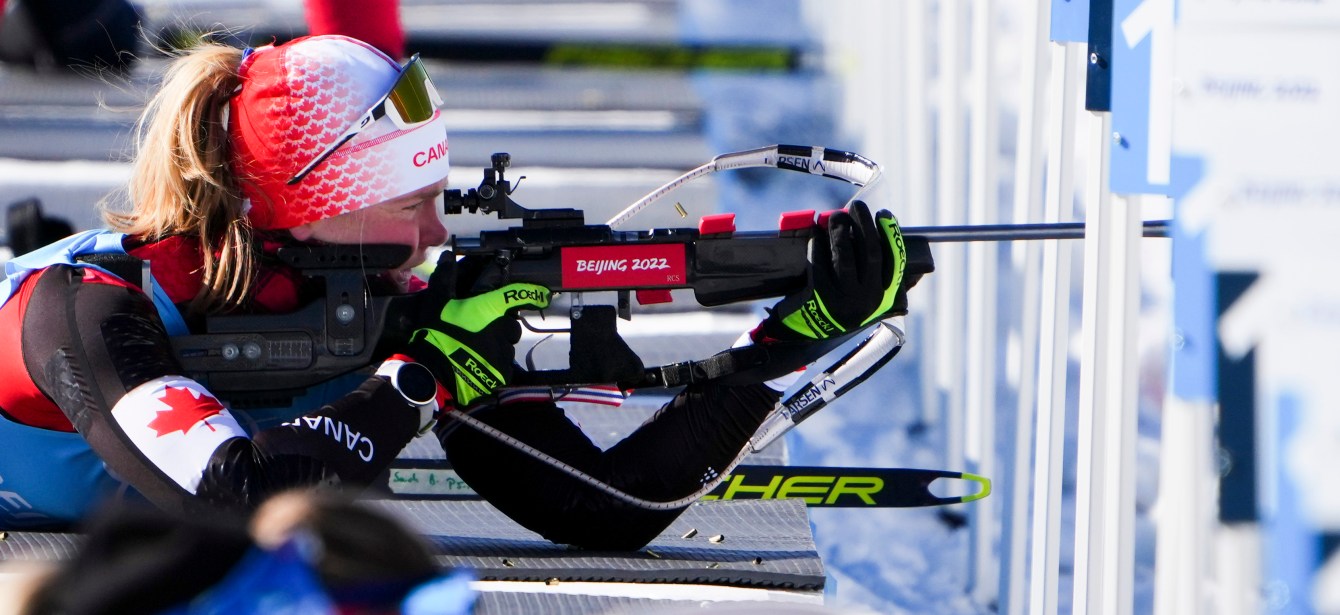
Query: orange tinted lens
[(411, 96)]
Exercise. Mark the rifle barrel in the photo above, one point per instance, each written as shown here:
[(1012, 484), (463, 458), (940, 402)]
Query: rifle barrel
[(1018, 232)]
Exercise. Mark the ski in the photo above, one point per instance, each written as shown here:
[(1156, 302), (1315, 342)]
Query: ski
[(838, 487), (833, 487)]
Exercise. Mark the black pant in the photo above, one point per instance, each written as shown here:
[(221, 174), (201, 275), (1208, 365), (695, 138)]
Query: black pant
[(689, 441)]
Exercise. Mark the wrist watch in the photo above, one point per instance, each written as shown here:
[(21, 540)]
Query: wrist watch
[(414, 381)]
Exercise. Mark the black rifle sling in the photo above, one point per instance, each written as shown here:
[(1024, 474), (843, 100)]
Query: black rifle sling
[(130, 269)]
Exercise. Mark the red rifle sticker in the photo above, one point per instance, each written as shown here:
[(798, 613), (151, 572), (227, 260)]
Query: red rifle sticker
[(629, 266)]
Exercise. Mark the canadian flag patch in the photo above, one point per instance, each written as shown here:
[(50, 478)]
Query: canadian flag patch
[(186, 408), (176, 424)]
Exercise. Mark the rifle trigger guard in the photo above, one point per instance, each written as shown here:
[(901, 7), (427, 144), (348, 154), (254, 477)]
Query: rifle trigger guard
[(530, 354), (533, 329)]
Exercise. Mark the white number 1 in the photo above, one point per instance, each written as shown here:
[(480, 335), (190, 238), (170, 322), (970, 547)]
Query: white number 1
[(1154, 18)]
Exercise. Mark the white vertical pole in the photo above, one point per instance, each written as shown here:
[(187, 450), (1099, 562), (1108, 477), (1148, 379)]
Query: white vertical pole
[(1089, 553), (862, 44), (919, 206), (884, 70), (916, 118), (983, 208), (1104, 513), (1238, 564), (1054, 333), (1119, 409), (1185, 508), (948, 280), (1028, 206)]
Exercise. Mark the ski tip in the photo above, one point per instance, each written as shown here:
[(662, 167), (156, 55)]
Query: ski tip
[(980, 480)]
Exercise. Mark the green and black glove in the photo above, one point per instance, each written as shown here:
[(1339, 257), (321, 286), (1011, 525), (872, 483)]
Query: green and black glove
[(856, 269), (468, 343)]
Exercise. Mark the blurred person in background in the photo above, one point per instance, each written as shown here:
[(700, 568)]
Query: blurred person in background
[(301, 552), (326, 140), (375, 22), (94, 35), (104, 34), (365, 560)]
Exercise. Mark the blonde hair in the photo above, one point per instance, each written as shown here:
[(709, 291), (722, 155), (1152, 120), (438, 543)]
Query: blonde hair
[(182, 181)]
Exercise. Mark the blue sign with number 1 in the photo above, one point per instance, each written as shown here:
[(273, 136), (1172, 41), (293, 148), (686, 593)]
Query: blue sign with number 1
[(1142, 71)]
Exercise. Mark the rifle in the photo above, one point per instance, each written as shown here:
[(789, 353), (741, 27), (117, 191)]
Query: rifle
[(266, 360)]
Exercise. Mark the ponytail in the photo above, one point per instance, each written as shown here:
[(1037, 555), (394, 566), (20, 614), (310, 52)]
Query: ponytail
[(182, 181)]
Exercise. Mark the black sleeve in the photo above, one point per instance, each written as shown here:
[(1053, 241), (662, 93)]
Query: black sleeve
[(95, 347), (688, 443)]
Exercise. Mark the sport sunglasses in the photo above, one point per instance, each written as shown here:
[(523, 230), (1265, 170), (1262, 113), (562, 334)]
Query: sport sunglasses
[(410, 102)]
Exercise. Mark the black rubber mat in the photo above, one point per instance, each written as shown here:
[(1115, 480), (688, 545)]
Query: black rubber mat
[(765, 544), (519, 603), (37, 546), (500, 603), (750, 543)]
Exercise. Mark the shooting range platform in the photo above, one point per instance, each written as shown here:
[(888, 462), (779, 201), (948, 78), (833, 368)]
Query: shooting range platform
[(746, 543), (718, 551)]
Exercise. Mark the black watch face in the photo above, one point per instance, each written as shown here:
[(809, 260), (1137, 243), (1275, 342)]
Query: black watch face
[(416, 383)]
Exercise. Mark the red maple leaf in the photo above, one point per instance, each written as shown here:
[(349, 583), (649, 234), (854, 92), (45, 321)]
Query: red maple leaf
[(184, 411)]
